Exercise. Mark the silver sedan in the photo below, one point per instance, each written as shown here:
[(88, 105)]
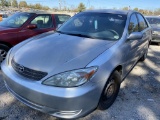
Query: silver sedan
[(78, 68)]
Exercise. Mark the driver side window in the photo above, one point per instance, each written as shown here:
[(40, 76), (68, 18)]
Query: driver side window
[(133, 25), (43, 21)]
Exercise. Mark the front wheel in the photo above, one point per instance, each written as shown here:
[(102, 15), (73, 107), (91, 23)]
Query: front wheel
[(110, 91)]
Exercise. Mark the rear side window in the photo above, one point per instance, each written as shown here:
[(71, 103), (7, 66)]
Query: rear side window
[(142, 23), (60, 19), (43, 21), (133, 24)]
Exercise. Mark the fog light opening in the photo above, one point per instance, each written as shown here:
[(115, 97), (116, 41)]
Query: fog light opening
[(67, 114)]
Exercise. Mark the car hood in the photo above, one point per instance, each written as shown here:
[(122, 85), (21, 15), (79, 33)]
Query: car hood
[(6, 29), (59, 52)]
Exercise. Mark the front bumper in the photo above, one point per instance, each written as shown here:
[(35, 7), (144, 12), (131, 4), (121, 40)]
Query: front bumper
[(64, 103)]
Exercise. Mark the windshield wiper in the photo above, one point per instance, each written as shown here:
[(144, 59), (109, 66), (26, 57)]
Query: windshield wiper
[(76, 34), (80, 35)]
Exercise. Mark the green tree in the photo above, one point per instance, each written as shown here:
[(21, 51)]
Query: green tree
[(141, 11), (125, 8), (38, 6), (145, 12), (31, 6), (136, 9), (9, 2), (23, 4), (157, 11), (81, 7), (45, 8), (14, 3), (3, 2)]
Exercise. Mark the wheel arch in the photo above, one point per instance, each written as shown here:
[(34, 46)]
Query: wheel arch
[(117, 68), (6, 43)]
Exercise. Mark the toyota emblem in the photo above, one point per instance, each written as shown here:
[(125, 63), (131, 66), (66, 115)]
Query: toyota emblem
[(21, 69)]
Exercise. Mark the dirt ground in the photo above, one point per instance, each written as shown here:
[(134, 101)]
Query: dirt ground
[(138, 99)]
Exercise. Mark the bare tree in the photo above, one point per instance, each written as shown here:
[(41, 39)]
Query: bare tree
[(23, 4)]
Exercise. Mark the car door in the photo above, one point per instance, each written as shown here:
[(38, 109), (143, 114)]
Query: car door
[(136, 47), (146, 31), (132, 45), (43, 22)]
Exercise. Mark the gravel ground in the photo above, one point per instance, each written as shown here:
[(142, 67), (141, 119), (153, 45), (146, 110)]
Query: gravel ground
[(138, 99)]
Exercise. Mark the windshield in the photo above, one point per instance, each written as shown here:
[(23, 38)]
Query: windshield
[(95, 25), (4, 16), (16, 20), (154, 22)]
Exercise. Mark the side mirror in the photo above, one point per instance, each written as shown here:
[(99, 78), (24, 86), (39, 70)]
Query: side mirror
[(32, 26), (135, 36)]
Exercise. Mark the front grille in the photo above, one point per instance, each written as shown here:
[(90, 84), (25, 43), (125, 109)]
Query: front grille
[(28, 73)]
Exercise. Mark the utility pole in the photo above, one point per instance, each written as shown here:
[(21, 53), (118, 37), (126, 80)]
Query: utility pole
[(129, 8), (60, 2)]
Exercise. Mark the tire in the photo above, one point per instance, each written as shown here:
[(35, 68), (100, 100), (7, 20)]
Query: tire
[(144, 56), (110, 91), (3, 52)]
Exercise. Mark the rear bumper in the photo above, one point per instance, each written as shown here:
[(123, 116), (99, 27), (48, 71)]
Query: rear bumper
[(64, 103)]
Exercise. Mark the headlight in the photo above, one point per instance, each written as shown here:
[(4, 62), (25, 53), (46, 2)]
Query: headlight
[(156, 33), (71, 78)]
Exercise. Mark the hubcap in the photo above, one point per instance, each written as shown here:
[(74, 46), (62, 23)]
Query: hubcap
[(109, 92), (3, 54)]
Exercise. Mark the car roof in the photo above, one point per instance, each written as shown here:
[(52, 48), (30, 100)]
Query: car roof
[(125, 12), (43, 12)]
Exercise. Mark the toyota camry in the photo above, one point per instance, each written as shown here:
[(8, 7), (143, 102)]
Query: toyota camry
[(79, 67)]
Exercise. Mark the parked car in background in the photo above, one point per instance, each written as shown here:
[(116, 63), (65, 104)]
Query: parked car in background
[(24, 25), (154, 21), (71, 72), (3, 16)]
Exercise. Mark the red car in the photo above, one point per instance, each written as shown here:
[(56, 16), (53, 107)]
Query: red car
[(24, 25)]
